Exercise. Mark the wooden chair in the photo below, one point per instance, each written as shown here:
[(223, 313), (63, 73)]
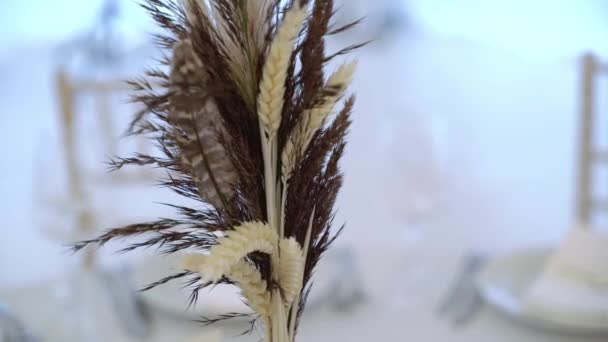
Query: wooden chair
[(590, 157), (66, 94), (78, 204)]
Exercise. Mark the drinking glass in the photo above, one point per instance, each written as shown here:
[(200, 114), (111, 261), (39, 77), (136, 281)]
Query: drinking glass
[(414, 184)]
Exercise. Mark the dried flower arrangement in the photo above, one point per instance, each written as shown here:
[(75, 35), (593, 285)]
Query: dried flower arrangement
[(244, 122)]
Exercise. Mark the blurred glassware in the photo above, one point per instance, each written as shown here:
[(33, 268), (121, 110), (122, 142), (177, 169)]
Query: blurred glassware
[(347, 288), (133, 314), (106, 47), (414, 185), (383, 19), (393, 18), (338, 282), (105, 299), (12, 329)]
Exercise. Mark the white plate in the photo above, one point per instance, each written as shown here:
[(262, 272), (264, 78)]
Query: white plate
[(505, 280)]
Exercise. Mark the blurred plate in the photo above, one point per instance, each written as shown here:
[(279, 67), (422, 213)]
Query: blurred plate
[(504, 282), (173, 297)]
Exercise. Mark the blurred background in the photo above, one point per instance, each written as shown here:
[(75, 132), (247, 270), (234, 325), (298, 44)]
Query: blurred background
[(478, 135)]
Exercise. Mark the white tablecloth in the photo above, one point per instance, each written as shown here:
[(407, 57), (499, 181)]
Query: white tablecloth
[(373, 320)]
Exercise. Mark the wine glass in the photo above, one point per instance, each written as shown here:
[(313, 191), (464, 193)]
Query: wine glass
[(413, 191)]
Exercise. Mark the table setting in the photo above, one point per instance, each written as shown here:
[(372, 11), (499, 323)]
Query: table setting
[(246, 240), (471, 296)]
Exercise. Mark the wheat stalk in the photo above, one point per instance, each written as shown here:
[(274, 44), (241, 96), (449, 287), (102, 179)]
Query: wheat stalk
[(270, 105), (280, 331)]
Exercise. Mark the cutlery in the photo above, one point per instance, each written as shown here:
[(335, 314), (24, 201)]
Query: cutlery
[(462, 300)]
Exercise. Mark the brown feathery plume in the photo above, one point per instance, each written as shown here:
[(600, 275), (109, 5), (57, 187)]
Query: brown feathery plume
[(197, 126), (244, 121)]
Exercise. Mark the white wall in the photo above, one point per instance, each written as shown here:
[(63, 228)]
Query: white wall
[(510, 146), (511, 124)]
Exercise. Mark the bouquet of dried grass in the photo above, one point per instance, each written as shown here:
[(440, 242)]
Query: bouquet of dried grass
[(245, 124)]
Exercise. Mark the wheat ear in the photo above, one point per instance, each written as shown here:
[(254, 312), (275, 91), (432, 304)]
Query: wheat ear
[(296, 305), (337, 83), (314, 118), (244, 239), (291, 269), (253, 287), (274, 74)]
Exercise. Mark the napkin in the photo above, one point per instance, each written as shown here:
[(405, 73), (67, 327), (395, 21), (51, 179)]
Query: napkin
[(573, 288)]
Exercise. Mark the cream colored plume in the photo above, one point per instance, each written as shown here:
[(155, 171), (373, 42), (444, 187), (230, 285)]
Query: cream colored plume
[(336, 84), (253, 287), (257, 11), (291, 269), (274, 73), (314, 118), (247, 238), (195, 6)]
